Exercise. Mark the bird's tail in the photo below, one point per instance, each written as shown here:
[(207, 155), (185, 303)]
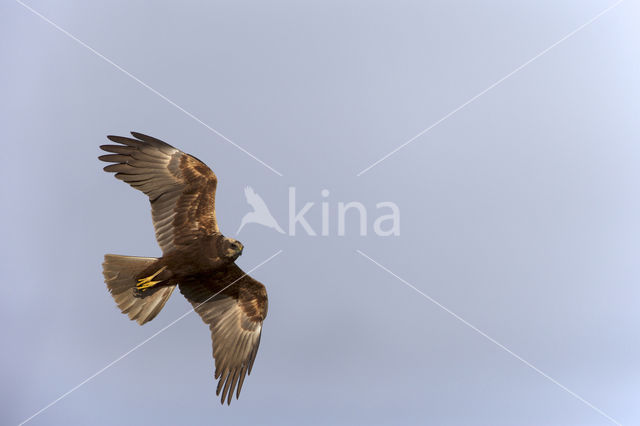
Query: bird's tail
[(242, 224), (120, 273)]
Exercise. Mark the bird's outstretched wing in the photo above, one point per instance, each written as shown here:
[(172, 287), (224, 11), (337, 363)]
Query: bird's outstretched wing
[(255, 200), (261, 210), (180, 187), (233, 305)]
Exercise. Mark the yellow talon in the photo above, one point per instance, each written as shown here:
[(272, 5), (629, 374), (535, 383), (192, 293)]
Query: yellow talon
[(144, 286), (145, 283)]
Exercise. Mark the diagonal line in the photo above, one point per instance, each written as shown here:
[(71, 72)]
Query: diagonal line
[(471, 100), (101, 56), (492, 340), (136, 347)]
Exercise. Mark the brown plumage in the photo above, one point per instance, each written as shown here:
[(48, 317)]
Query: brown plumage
[(195, 255)]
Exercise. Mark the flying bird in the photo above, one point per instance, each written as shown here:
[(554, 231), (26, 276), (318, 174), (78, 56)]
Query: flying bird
[(196, 257), (260, 213)]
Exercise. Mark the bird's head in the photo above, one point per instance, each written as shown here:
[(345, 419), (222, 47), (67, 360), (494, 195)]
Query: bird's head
[(232, 248)]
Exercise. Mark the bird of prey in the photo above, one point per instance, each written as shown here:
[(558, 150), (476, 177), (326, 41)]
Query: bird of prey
[(195, 255), (260, 213)]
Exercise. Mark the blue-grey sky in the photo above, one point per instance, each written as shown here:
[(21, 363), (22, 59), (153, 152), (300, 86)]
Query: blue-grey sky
[(519, 213)]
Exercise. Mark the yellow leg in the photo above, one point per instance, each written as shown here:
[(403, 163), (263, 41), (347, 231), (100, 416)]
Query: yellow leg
[(145, 283)]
